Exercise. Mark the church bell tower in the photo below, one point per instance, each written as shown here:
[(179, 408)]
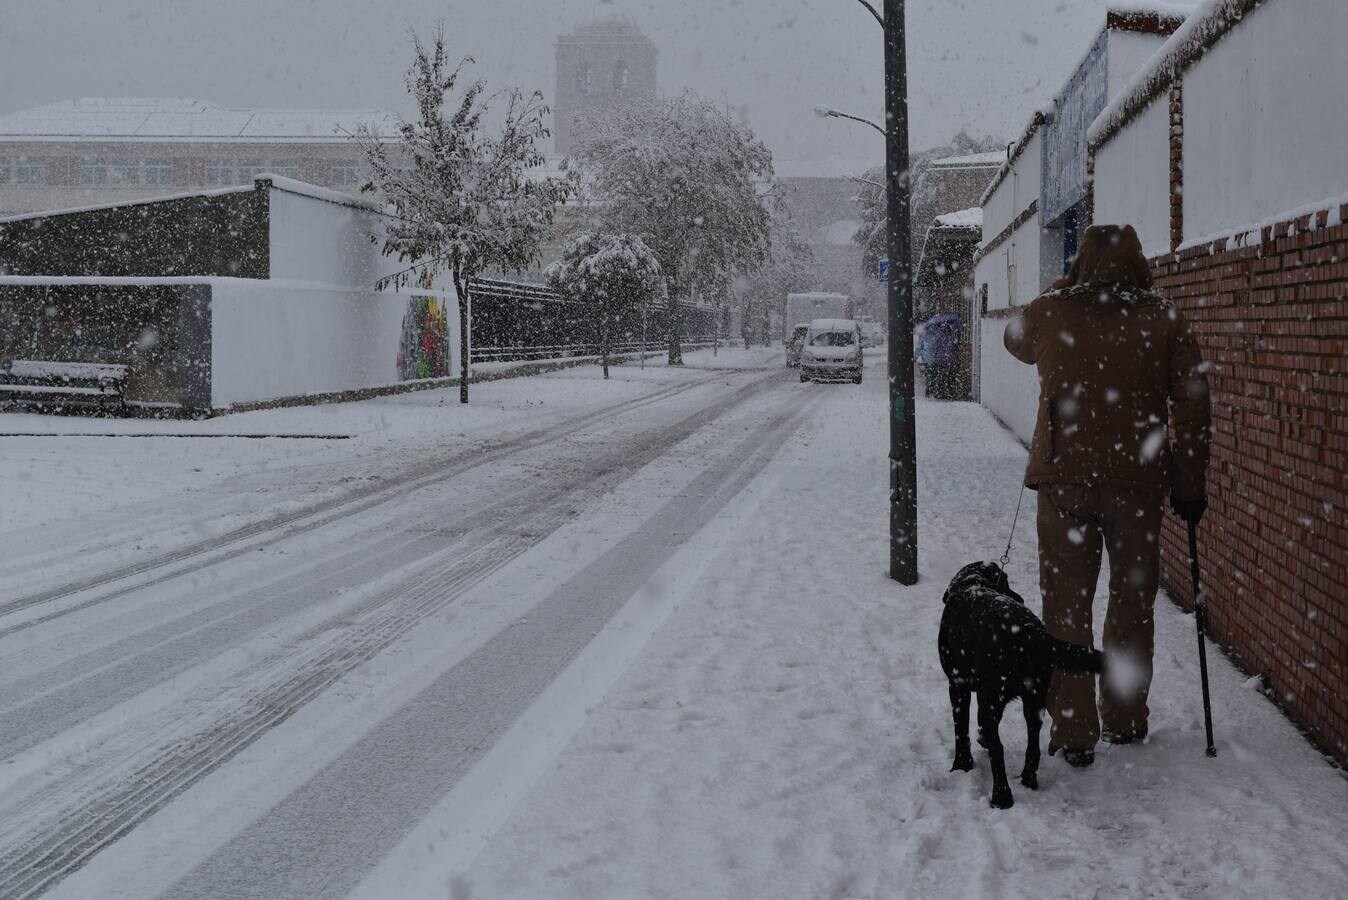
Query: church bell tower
[(602, 64)]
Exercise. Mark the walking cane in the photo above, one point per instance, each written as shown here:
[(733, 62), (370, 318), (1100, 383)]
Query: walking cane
[(1200, 618)]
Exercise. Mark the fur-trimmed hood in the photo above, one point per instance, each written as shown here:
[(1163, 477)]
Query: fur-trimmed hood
[(1109, 257)]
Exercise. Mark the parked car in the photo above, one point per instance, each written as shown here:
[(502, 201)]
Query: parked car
[(832, 351), (794, 342)]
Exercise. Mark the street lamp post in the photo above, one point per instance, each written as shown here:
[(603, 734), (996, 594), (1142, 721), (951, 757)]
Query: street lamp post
[(902, 425), (899, 299)]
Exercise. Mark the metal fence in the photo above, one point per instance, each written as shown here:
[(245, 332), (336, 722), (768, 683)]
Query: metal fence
[(519, 321)]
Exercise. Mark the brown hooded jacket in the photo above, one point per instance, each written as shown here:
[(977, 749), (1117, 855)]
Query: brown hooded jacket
[(1115, 362)]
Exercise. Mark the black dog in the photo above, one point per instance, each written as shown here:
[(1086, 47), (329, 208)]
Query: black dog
[(993, 646)]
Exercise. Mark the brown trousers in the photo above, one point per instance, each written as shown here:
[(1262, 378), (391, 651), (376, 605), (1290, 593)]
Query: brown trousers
[(1074, 521)]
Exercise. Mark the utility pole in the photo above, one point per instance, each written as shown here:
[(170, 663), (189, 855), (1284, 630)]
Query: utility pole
[(902, 426)]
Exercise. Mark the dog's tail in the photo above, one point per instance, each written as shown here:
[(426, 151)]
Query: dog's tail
[(1071, 657)]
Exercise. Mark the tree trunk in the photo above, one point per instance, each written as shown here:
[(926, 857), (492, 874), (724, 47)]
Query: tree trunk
[(464, 325), (604, 346), (675, 326)]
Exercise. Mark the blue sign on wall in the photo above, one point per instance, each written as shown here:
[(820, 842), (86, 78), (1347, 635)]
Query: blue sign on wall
[(1064, 160), (884, 270)]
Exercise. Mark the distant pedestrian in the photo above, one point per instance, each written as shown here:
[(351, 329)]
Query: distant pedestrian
[(1116, 361), (943, 361)]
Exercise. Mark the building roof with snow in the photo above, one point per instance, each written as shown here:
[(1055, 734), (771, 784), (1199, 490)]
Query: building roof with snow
[(170, 119), (965, 219), (990, 160)]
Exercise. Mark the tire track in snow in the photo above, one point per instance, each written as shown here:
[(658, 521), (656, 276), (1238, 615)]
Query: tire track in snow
[(312, 517), (83, 825), (368, 797)]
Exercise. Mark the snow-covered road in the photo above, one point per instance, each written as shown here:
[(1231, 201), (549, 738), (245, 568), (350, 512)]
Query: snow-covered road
[(145, 702), (582, 639)]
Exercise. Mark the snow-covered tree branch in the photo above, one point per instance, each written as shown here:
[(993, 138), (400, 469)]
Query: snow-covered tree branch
[(609, 274), (687, 178), (465, 201)]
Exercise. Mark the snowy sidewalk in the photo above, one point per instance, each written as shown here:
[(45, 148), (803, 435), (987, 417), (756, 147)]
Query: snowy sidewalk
[(787, 733)]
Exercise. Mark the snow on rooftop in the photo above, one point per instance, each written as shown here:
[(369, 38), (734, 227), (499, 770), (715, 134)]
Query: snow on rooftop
[(178, 118), (973, 160), (1151, 7), (277, 182), (965, 218)]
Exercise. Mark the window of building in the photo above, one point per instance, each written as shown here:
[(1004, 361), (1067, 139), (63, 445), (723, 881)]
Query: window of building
[(219, 172), (344, 173), (29, 171), (123, 171), (245, 170), (157, 171), (286, 168), (622, 77), (584, 78), (4, 170), (93, 170)]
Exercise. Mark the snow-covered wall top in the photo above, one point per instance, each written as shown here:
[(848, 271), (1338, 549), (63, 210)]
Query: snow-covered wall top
[(1205, 26), (1015, 190), (1129, 51), (1284, 63), (1132, 178), (1020, 149)]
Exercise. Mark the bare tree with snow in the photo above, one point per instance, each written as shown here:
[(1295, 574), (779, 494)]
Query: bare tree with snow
[(609, 274), (464, 201), (690, 180)]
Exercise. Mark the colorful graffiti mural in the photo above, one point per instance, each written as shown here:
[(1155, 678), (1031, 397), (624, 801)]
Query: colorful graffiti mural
[(423, 351)]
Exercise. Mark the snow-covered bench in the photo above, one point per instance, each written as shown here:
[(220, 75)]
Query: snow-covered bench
[(43, 382)]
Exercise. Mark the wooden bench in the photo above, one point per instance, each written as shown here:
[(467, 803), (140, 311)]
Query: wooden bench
[(47, 383)]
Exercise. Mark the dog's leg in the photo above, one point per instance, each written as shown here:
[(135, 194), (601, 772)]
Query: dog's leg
[(959, 705), (989, 720), (1034, 717)]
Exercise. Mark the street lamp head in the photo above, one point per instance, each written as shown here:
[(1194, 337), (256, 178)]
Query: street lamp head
[(822, 111)]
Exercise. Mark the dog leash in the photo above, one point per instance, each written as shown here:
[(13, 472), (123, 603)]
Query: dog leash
[(1006, 557)]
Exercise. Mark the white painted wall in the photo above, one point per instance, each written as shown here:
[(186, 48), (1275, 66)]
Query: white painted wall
[(1020, 283), (271, 340), (321, 241), (1008, 387), (1132, 177), (1017, 190), (1128, 51), (1264, 124)]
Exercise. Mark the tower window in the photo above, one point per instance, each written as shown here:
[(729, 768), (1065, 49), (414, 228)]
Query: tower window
[(622, 77), (584, 78)]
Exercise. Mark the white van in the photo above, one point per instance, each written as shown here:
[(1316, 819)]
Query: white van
[(832, 351)]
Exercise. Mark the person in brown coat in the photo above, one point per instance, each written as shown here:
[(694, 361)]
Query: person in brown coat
[(1116, 362)]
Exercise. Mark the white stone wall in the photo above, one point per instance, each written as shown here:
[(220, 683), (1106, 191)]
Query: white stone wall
[(1132, 177), (1008, 387), (271, 341), (1264, 124)]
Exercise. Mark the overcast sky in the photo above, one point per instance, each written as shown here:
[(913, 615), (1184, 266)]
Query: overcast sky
[(981, 65)]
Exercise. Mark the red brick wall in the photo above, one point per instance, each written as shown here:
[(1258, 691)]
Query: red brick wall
[(1273, 321)]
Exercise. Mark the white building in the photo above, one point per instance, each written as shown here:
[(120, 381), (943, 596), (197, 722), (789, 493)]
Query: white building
[(104, 150), (1038, 202)]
